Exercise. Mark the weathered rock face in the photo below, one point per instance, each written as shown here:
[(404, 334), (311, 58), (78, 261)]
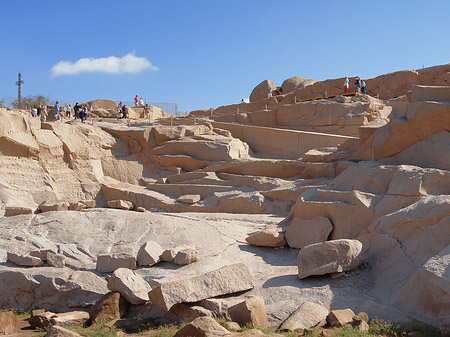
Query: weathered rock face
[(338, 318), (102, 104), (185, 256), (149, 254), (329, 257), (130, 285), (57, 331), (227, 280), (261, 90)]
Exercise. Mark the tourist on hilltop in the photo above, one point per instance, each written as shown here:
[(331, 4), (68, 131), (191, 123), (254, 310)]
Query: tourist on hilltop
[(357, 85), (39, 110), (69, 111), (83, 114), (124, 111), (141, 102), (119, 106), (269, 93), (136, 100), (34, 112), (56, 108), (363, 87), (76, 110), (44, 114), (346, 85)]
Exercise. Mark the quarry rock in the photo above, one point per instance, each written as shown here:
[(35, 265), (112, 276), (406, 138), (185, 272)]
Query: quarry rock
[(252, 311), (267, 238), (189, 198), (109, 307), (107, 263), (226, 280), (302, 233), (329, 257), (24, 260), (130, 285), (57, 331), (55, 260), (261, 90), (185, 256), (203, 326), (120, 204), (306, 316), (8, 323), (149, 254), (338, 318)]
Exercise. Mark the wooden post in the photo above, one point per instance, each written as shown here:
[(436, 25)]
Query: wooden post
[(378, 95), (238, 110), (326, 94), (211, 111), (195, 120), (171, 121), (265, 109), (295, 99)]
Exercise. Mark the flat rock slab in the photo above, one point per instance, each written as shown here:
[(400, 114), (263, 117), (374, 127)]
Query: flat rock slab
[(57, 331), (307, 315), (189, 198), (226, 280), (120, 204), (203, 326), (329, 257), (130, 285), (24, 260)]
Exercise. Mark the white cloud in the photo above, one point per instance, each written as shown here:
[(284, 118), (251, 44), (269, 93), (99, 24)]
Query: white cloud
[(111, 65)]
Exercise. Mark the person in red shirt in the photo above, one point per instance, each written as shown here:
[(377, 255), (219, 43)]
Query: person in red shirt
[(136, 100)]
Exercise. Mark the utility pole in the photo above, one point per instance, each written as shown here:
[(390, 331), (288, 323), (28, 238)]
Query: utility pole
[(19, 96)]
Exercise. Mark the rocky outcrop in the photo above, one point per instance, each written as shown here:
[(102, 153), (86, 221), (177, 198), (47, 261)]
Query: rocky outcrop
[(261, 91), (306, 316)]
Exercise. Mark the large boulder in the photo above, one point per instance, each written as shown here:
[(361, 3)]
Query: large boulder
[(226, 280), (338, 318), (306, 316), (261, 90), (302, 233), (130, 285), (106, 104), (329, 257), (57, 331), (294, 83)]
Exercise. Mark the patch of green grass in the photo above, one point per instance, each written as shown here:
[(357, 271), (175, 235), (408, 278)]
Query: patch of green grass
[(95, 330), (166, 331), (427, 331), (380, 327), (223, 322), (268, 331)]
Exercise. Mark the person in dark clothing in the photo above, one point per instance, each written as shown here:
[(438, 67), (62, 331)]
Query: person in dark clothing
[(124, 111), (76, 110), (39, 111)]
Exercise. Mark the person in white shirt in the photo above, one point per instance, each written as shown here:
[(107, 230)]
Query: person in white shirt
[(346, 85)]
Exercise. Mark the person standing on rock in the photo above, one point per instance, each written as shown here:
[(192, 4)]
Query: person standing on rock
[(44, 114), (56, 108), (363, 87), (76, 110), (269, 93), (39, 110), (124, 111), (136, 100), (83, 114), (357, 85), (141, 102), (346, 85), (34, 112), (69, 111)]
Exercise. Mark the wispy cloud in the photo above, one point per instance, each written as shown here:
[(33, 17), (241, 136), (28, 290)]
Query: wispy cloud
[(111, 65)]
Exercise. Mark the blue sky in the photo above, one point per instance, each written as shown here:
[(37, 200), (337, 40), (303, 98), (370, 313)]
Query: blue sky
[(211, 53)]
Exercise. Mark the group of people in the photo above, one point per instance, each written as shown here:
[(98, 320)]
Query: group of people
[(360, 86), (138, 102), (122, 110), (41, 111)]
